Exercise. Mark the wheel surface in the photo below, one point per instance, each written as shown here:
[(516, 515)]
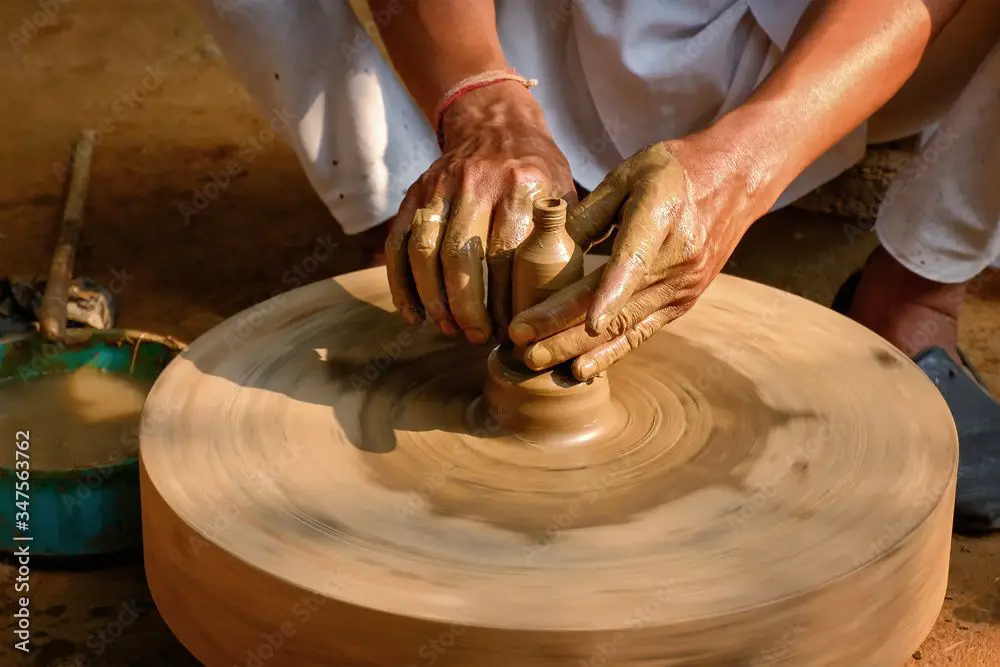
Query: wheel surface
[(321, 486)]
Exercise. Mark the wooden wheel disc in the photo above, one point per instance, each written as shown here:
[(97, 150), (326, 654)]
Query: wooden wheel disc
[(318, 490)]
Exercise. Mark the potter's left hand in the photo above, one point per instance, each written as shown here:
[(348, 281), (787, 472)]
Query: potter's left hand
[(681, 208)]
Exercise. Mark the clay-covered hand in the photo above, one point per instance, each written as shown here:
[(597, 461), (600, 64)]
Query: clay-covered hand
[(680, 208), (474, 202)]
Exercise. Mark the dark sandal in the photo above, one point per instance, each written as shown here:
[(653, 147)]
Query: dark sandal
[(977, 419)]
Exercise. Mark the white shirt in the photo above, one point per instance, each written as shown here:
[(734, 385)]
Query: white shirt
[(618, 75), (614, 76)]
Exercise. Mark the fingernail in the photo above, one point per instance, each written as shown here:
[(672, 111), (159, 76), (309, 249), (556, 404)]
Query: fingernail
[(476, 337), (539, 357), (603, 322), (447, 328), (586, 369), (411, 317), (521, 333)]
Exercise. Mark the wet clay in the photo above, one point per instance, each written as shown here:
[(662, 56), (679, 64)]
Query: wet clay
[(546, 407), (81, 419), (759, 500), (645, 196), (549, 406), (549, 259)]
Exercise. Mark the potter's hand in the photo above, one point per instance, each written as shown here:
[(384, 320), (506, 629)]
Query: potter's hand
[(475, 201), (681, 213)]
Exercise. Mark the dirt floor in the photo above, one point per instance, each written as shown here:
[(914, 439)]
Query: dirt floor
[(171, 117)]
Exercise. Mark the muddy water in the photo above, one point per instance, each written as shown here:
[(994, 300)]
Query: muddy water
[(85, 418)]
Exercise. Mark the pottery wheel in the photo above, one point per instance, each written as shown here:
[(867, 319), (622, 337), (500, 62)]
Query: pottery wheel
[(321, 485)]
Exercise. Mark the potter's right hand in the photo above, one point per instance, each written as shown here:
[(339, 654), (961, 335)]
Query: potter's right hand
[(474, 202)]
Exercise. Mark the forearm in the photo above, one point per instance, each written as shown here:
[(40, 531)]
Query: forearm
[(847, 59), (434, 44)]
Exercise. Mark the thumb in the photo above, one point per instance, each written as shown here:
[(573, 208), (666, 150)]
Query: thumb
[(560, 311), (594, 219)]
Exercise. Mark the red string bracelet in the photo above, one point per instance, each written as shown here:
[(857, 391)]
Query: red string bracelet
[(474, 83)]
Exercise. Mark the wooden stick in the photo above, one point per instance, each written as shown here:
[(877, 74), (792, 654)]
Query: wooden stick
[(56, 299)]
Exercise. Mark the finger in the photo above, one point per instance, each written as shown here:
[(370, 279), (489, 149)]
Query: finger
[(575, 341), (426, 236), (560, 311), (511, 226), (569, 306), (562, 347), (500, 269), (645, 221), (401, 284), (602, 358), (462, 255), (593, 219)]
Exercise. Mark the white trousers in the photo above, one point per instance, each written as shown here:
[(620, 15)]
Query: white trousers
[(941, 215), (362, 141)]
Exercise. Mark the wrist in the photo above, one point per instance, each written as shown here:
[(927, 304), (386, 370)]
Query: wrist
[(502, 103), (748, 150)]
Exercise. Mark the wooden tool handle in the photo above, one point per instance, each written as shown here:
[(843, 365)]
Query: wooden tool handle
[(54, 303)]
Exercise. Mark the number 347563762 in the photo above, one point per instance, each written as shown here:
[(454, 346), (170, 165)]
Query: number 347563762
[(22, 465)]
